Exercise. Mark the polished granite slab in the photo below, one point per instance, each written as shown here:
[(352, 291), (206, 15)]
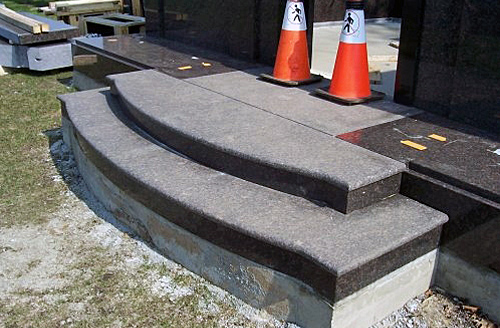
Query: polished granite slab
[(58, 31), (169, 57), (469, 158)]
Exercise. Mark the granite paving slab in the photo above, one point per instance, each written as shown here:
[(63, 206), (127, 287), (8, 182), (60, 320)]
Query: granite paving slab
[(299, 105), (469, 158), (256, 145), (165, 56), (334, 253), (58, 31)]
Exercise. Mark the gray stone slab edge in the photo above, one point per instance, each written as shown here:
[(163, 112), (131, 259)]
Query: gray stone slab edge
[(280, 295), (50, 56), (478, 285)]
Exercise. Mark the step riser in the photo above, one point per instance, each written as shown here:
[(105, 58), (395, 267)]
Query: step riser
[(466, 210)]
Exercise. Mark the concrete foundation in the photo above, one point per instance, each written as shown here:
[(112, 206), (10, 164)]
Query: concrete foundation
[(477, 284)]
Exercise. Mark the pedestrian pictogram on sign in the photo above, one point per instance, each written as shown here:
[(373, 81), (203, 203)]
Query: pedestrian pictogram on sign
[(351, 23), (353, 27), (295, 19)]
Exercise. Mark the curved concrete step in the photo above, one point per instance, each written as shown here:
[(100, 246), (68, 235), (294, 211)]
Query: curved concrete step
[(256, 145), (336, 254)]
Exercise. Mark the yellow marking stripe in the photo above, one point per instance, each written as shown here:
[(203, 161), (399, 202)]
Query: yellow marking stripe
[(437, 137), (413, 145), (183, 68)]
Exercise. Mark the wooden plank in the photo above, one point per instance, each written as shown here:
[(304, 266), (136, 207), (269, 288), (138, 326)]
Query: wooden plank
[(23, 22), (88, 9), (127, 17), (56, 4), (84, 60), (120, 30), (137, 8)]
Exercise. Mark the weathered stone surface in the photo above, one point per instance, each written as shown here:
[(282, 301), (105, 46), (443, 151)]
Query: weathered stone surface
[(336, 254), (256, 145), (50, 56)]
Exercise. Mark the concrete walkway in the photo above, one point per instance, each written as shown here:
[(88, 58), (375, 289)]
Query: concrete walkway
[(381, 56)]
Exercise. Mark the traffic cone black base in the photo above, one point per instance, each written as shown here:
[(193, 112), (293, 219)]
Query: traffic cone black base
[(323, 93), (269, 78)]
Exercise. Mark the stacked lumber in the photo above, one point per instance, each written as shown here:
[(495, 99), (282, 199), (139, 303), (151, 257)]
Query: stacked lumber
[(28, 24), (73, 12), (75, 7), (46, 10)]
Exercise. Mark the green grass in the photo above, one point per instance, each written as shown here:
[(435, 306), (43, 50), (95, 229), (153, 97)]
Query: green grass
[(24, 5), (28, 108)]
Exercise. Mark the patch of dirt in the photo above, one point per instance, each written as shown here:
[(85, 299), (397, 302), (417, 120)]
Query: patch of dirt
[(84, 269)]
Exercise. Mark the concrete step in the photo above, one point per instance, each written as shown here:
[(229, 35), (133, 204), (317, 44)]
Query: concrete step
[(256, 145), (330, 254)]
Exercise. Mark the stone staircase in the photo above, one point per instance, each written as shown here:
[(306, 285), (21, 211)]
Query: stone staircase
[(280, 213)]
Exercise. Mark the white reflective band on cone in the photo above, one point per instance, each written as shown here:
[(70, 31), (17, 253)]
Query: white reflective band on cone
[(295, 18), (353, 28)]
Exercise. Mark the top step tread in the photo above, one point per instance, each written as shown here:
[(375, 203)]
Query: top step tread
[(229, 127)]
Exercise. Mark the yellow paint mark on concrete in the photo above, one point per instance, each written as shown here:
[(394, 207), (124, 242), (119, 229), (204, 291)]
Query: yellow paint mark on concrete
[(437, 137), (413, 145)]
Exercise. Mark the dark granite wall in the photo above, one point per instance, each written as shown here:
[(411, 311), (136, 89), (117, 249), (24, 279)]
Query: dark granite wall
[(247, 29), (449, 60)]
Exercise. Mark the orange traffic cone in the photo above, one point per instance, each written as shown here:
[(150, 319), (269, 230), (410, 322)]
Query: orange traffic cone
[(292, 60), (350, 80)]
